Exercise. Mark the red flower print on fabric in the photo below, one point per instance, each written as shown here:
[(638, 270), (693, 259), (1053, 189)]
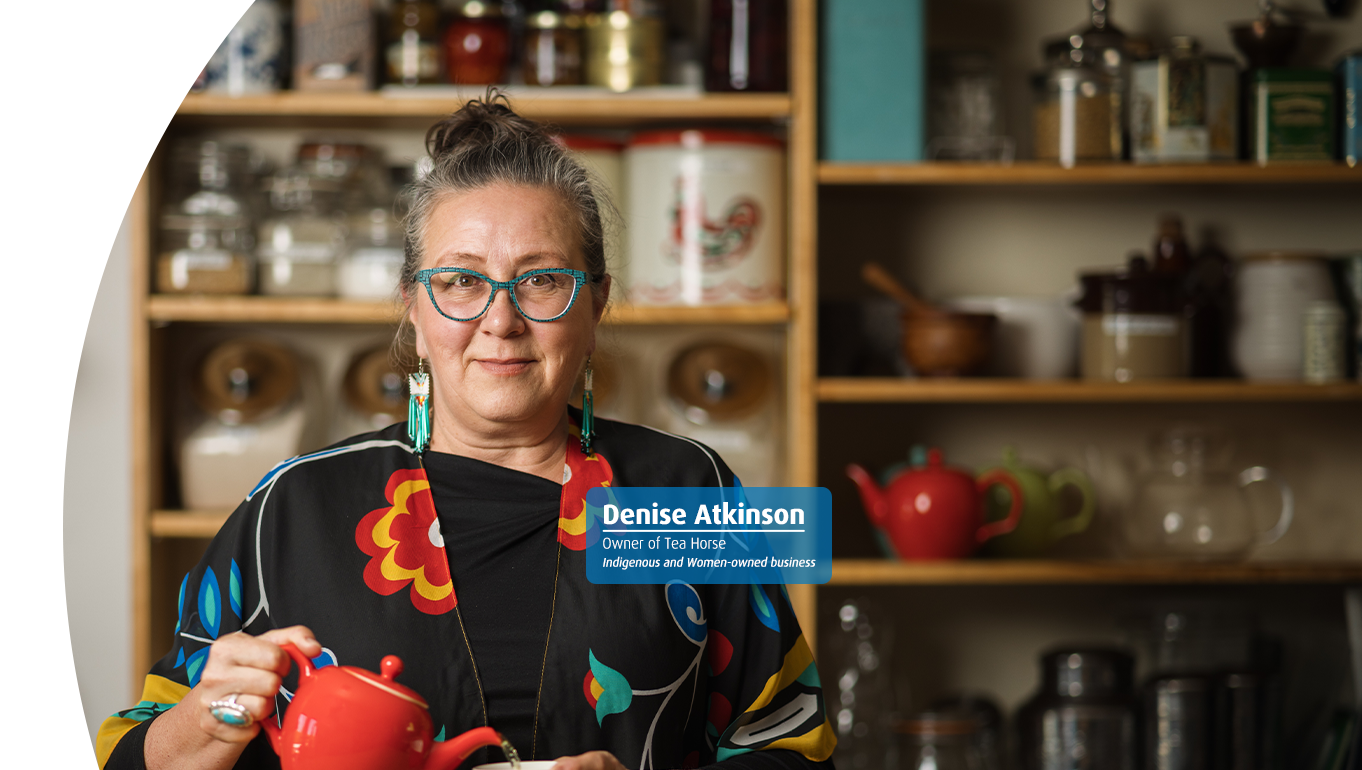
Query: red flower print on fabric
[(406, 545)]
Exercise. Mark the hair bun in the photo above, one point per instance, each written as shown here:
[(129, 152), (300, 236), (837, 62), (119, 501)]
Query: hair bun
[(484, 122)]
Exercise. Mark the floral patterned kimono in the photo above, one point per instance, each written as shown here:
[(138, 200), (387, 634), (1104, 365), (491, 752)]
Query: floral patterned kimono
[(346, 541)]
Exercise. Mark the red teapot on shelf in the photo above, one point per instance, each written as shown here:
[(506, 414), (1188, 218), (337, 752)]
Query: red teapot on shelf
[(347, 718), (935, 511)]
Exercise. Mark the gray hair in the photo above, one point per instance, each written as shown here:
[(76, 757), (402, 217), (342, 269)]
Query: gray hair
[(486, 143)]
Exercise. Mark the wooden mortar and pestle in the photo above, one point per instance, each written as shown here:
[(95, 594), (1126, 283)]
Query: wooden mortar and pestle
[(936, 342)]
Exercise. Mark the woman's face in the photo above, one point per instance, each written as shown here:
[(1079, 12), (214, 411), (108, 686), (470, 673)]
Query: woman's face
[(502, 369)]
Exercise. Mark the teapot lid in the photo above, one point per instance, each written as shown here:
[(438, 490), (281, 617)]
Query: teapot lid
[(391, 666)]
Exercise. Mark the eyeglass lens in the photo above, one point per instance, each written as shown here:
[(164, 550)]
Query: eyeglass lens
[(540, 297)]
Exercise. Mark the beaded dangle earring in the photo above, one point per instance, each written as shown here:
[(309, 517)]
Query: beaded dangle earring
[(588, 419), (418, 408)]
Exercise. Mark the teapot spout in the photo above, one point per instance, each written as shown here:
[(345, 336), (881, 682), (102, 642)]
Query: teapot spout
[(872, 497), (451, 753)]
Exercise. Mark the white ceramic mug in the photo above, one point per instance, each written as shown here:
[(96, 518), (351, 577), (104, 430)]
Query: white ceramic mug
[(1036, 338)]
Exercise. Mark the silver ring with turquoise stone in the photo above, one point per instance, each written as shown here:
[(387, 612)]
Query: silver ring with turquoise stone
[(230, 713)]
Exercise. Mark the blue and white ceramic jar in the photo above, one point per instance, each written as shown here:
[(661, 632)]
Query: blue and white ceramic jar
[(251, 58)]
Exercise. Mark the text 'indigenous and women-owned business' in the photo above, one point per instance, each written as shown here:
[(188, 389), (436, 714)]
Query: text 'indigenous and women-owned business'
[(709, 535)]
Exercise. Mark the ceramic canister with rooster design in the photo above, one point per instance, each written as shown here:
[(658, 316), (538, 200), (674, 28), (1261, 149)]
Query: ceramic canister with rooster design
[(706, 217)]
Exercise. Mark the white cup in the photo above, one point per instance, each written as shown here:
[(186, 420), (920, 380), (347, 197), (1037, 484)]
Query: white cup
[(1037, 337)]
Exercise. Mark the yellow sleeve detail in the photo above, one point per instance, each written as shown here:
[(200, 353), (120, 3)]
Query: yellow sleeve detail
[(155, 689), (796, 661), (111, 731)]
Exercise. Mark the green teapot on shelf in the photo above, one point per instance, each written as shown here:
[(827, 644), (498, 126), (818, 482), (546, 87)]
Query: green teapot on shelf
[(1042, 520)]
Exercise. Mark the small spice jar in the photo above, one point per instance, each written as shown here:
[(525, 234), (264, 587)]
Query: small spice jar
[(478, 44), (552, 51), (1133, 326), (624, 51), (413, 51)]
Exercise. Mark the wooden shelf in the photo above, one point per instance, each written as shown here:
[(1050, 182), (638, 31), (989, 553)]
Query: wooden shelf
[(208, 309), (1038, 173), (187, 523), (565, 105), (997, 390), (1019, 572)]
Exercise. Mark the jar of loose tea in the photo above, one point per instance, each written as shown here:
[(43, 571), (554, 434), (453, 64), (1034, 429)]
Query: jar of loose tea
[(1076, 114)]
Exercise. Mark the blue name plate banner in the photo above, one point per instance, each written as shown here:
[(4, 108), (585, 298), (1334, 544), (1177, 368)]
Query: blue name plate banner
[(709, 535)]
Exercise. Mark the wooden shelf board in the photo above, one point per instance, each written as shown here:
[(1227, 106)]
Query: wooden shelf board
[(169, 307), (187, 523), (997, 390), (1039, 173), (567, 105), (1027, 572)]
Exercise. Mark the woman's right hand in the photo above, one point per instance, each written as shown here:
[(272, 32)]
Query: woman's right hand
[(252, 668)]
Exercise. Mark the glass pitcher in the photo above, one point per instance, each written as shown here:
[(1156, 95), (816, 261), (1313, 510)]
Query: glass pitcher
[(1193, 506)]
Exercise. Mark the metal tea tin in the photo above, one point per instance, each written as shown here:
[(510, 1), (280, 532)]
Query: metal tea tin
[(1293, 114), (1325, 356), (1184, 106), (706, 215)]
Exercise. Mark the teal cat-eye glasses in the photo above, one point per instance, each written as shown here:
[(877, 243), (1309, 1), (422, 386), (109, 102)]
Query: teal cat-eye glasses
[(544, 295)]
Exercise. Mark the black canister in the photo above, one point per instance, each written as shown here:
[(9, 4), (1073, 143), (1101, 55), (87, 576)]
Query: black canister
[(1177, 722), (1084, 717)]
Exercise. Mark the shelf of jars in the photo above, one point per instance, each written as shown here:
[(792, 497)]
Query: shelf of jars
[(565, 104), (1045, 572), (1042, 173), (1000, 390), (260, 309)]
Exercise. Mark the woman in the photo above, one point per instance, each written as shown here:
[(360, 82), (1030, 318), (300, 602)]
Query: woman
[(356, 551)]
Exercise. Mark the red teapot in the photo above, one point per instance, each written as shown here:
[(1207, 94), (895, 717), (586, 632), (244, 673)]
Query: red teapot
[(347, 718), (936, 511)]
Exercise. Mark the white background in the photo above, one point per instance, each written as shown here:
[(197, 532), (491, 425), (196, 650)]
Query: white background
[(89, 90)]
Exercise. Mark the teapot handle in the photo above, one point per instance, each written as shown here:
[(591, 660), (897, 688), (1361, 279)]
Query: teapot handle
[(1001, 526), (1072, 525), (1259, 473), (305, 667)]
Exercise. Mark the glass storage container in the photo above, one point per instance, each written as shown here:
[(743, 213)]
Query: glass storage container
[(1074, 115), (477, 44), (205, 254), (940, 740), (413, 50), (551, 54)]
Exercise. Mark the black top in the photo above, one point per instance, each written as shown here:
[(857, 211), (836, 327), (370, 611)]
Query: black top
[(503, 561)]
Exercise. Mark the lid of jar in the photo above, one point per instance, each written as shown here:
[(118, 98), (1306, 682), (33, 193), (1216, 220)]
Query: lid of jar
[(479, 9), (1285, 256), (587, 143), (1134, 290), (938, 722), (695, 138), (327, 150), (553, 20), (718, 381), (374, 385), (203, 222), (1087, 672), (244, 379)]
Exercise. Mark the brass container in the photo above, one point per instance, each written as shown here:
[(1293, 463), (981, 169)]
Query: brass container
[(624, 52)]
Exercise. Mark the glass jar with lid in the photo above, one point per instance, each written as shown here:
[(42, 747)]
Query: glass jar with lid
[(551, 54), (372, 263), (1075, 118), (1104, 48), (205, 235), (413, 49), (477, 43), (300, 240)]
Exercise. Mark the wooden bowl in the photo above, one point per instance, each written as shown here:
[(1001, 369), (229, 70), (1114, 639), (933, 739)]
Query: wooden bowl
[(948, 344)]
